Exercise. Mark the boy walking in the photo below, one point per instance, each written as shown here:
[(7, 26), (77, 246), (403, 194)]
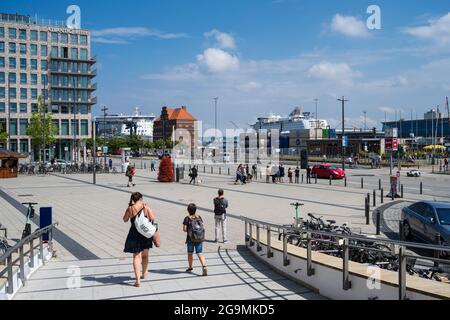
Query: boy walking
[(193, 226), (220, 212)]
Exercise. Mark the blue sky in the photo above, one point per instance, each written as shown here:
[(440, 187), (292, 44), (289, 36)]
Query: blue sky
[(262, 56)]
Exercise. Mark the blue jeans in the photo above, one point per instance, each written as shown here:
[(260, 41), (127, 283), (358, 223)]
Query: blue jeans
[(194, 246)]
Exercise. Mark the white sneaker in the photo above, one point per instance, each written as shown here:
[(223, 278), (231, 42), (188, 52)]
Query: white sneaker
[(226, 242)]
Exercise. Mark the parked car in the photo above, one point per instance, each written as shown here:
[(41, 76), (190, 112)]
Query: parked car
[(414, 173), (327, 171), (426, 219)]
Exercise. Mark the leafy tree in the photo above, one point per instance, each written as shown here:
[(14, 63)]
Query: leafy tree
[(3, 136), (41, 128)]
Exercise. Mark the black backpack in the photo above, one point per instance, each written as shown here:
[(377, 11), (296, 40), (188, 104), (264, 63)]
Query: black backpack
[(219, 207), (196, 229)]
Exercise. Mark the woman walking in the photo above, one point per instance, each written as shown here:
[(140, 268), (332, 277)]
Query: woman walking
[(136, 243), (131, 171)]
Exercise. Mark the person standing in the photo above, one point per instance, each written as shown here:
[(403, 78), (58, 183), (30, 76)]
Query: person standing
[(220, 215), (131, 171), (152, 165), (290, 175), (308, 175), (110, 163), (195, 230), (282, 174), (268, 173), (255, 171), (136, 243), (297, 175)]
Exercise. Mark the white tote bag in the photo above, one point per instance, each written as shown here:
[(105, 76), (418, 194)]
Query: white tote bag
[(143, 225)]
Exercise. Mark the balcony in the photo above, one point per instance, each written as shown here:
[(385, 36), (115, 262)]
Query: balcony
[(89, 73), (89, 87), (90, 101), (91, 61)]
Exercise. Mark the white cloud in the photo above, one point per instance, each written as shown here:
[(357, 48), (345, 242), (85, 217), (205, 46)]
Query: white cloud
[(341, 72), (188, 71), (224, 40), (218, 60), (349, 26), (437, 30), (388, 110), (250, 86), (123, 35)]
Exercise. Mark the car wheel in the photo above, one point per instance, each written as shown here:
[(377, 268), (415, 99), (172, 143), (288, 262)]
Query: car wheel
[(407, 231)]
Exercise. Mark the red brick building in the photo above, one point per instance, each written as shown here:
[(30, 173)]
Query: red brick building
[(173, 119)]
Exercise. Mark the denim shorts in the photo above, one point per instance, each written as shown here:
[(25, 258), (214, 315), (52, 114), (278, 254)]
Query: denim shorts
[(194, 246)]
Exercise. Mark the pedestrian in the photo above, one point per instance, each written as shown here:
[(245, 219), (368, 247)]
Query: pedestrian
[(110, 162), (220, 215), (281, 174), (136, 243), (446, 163), (274, 173), (238, 174), (131, 171), (152, 165), (195, 230), (297, 175), (268, 173), (244, 174), (308, 175), (255, 171), (290, 175), (193, 174)]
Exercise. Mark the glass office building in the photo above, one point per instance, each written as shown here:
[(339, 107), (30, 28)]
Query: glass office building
[(53, 62)]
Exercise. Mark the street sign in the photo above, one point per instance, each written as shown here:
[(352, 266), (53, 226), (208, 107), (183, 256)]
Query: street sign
[(395, 144), (391, 144), (391, 133)]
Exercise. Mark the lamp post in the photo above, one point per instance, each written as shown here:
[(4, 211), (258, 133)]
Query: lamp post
[(317, 117), (104, 109), (215, 117), (343, 130), (8, 126)]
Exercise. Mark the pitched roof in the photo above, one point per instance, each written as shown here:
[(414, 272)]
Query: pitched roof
[(178, 114)]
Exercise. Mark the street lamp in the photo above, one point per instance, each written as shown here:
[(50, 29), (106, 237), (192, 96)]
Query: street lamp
[(215, 117), (104, 109), (317, 118), (343, 131)]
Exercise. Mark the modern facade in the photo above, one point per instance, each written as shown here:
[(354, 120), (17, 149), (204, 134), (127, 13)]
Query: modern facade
[(115, 125), (171, 120), (52, 62)]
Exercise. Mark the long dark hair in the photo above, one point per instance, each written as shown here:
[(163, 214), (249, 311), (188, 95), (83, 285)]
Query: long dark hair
[(135, 197)]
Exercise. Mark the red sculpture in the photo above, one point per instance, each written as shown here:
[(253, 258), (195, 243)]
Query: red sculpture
[(166, 173)]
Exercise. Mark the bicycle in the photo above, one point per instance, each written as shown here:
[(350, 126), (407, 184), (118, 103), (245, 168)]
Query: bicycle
[(4, 246)]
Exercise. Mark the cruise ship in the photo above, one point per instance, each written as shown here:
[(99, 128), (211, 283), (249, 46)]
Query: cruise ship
[(297, 120)]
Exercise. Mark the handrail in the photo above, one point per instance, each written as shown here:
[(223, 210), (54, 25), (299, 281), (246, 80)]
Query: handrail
[(22, 242)]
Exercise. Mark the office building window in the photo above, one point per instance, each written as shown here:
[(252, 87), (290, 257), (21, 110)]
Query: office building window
[(64, 127), (34, 107), (55, 108), (2, 62), (33, 35), (24, 145), (23, 63), (44, 93), (74, 53), (83, 54), (23, 48), (12, 78), (12, 48), (64, 109), (43, 36), (64, 38), (2, 107), (2, 47), (34, 49), (54, 37), (84, 109), (2, 93), (23, 78), (84, 127), (2, 32), (12, 63), (13, 144), (44, 51), (75, 129), (55, 127), (34, 64), (13, 127), (13, 107), (44, 65), (12, 33), (74, 39), (54, 53), (44, 80), (34, 78), (23, 93), (23, 34), (34, 94), (23, 108), (13, 93), (2, 77), (83, 40)]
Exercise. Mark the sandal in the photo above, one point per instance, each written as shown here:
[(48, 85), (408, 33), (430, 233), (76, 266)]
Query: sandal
[(189, 270), (205, 271), (137, 285)]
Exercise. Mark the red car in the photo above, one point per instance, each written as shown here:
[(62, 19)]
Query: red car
[(327, 171)]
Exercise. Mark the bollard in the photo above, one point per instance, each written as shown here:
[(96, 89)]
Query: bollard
[(362, 183), (212, 170), (302, 178), (378, 222), (379, 184), (421, 187), (220, 170), (401, 191), (382, 195), (374, 198), (204, 169), (367, 211), (345, 181), (368, 199), (330, 181), (437, 253), (228, 171), (316, 179)]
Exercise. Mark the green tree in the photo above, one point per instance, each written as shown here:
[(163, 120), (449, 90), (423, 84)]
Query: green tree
[(41, 128), (3, 136)]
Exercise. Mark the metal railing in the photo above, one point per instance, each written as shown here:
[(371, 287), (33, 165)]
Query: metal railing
[(342, 240), (19, 247)]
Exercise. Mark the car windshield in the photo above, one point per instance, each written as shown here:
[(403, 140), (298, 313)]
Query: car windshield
[(444, 215)]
